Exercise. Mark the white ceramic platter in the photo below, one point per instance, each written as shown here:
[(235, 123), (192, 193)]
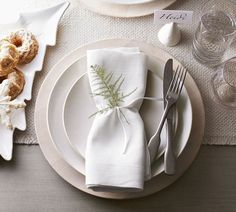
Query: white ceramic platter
[(79, 106), (111, 8), (70, 174), (43, 24)]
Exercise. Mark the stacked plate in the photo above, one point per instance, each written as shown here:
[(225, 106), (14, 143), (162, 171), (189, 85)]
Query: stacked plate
[(64, 105), (129, 2), (126, 8)]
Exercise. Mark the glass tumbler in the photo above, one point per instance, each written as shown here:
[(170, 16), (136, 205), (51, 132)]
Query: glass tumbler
[(215, 32), (223, 84)]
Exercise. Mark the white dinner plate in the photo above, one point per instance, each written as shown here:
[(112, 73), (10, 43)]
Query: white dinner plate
[(151, 111), (66, 171), (62, 89), (55, 114), (129, 2), (133, 8)]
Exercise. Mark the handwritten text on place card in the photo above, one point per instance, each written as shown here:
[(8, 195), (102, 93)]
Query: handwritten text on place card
[(178, 16)]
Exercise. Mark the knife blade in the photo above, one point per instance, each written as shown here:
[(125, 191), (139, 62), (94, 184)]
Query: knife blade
[(169, 158)]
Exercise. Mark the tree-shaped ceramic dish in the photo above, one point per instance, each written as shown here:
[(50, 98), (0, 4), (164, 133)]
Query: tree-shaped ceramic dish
[(43, 24)]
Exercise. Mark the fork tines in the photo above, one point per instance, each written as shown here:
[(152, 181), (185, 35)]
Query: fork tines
[(177, 81)]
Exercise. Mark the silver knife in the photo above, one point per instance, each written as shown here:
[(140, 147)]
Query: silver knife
[(169, 157)]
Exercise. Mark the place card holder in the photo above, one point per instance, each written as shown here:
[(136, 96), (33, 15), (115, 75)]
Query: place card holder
[(170, 34)]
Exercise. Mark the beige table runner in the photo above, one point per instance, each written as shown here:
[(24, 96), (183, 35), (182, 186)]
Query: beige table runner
[(80, 26)]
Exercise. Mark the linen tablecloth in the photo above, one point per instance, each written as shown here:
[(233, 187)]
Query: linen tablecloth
[(79, 26)]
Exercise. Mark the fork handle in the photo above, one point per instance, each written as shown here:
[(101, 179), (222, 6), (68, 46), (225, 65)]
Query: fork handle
[(154, 142), (169, 157)]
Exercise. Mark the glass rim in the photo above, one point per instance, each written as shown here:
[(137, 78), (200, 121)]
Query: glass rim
[(224, 71), (211, 3), (233, 20)]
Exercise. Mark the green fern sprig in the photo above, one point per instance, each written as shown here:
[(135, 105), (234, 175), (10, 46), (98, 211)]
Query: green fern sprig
[(108, 88)]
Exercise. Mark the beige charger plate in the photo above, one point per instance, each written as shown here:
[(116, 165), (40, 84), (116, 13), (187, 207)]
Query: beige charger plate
[(77, 179), (125, 10)]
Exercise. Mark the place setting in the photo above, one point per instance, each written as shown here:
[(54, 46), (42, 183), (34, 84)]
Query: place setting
[(64, 123), (116, 118), (122, 119)]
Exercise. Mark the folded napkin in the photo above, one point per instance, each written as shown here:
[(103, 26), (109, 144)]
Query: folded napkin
[(117, 157)]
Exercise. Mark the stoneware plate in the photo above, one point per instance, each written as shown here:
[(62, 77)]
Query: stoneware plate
[(70, 174), (107, 7), (79, 106), (128, 1), (58, 97)]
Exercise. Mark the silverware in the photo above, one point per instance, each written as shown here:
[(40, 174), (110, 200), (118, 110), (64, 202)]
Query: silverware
[(169, 157), (171, 98)]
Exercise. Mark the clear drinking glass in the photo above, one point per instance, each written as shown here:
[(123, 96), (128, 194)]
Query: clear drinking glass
[(223, 83), (215, 32)]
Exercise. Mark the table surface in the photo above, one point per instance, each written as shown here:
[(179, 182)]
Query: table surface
[(28, 183)]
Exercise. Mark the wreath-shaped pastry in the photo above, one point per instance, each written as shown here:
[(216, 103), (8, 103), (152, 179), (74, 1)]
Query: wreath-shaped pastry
[(26, 44), (19, 47), (9, 57)]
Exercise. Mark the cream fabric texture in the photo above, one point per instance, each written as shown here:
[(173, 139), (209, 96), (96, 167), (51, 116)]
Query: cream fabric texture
[(117, 156), (79, 26)]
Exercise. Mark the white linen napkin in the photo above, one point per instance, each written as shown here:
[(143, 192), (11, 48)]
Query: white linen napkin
[(117, 157)]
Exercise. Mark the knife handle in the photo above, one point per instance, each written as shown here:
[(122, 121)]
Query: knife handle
[(169, 157)]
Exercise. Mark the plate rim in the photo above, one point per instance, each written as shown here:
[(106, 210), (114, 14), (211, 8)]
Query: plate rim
[(127, 3), (74, 178), (47, 121), (126, 10)]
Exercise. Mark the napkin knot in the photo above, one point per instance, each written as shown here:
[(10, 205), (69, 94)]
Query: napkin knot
[(120, 114)]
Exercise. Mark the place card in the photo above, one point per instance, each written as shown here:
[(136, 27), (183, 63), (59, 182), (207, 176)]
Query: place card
[(177, 16)]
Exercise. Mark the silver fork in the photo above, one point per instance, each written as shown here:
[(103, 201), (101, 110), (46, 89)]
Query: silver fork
[(171, 98)]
